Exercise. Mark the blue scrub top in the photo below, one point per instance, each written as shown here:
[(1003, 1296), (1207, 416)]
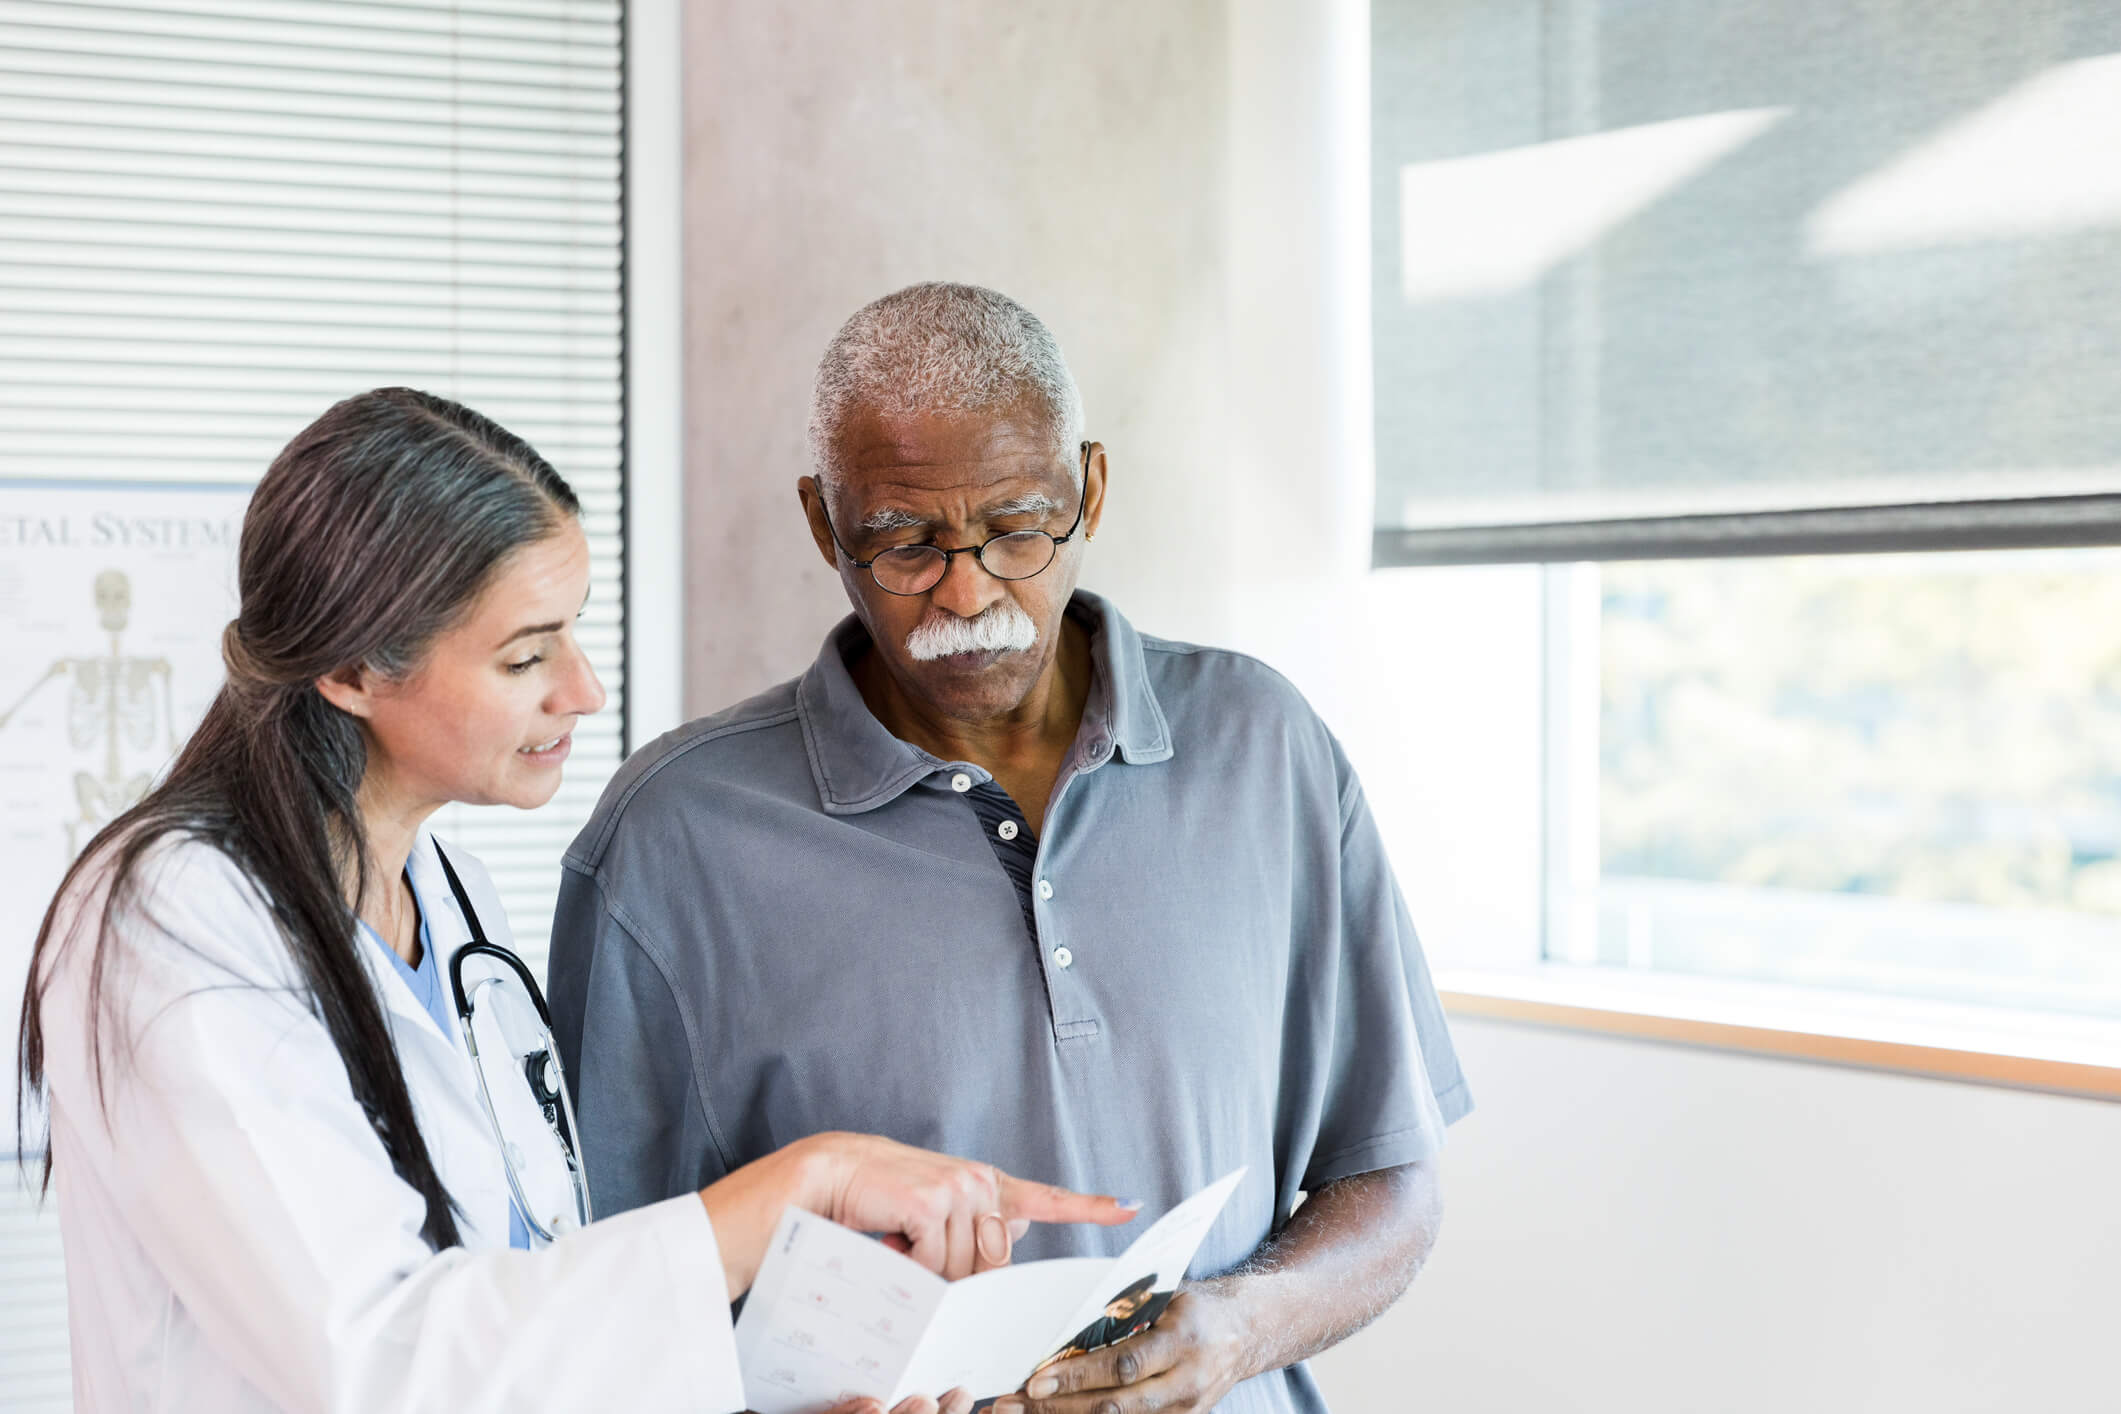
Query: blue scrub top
[(426, 983)]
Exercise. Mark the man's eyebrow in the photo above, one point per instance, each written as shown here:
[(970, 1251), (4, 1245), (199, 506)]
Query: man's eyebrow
[(891, 518), (1037, 503), (878, 522)]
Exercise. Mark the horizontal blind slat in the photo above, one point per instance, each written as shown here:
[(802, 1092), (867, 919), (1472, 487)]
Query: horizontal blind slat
[(447, 117), (571, 338), (88, 186), (348, 360), (572, 344), (131, 249), (230, 246), (293, 229), (262, 159), (327, 383), (581, 22), (232, 311), (434, 74), (65, 417), (132, 108), (241, 291), (87, 25), (499, 88)]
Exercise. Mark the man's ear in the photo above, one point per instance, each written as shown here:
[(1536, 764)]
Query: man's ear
[(813, 498), (351, 690), (1094, 471)]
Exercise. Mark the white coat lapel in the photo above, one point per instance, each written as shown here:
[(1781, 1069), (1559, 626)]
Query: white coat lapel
[(438, 1068), (446, 922), (409, 1020), (409, 1017), (446, 932)]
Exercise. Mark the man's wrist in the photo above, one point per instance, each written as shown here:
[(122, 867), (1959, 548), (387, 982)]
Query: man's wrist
[(1236, 1301)]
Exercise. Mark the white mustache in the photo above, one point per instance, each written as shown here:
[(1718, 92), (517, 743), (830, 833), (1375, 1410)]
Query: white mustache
[(1001, 628)]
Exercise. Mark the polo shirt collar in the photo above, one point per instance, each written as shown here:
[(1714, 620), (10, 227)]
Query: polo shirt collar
[(1139, 730), (859, 765)]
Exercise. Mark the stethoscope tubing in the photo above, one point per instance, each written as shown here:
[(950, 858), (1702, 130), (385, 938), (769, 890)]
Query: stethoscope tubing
[(570, 1146)]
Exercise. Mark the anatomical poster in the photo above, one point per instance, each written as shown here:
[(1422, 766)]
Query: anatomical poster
[(112, 602)]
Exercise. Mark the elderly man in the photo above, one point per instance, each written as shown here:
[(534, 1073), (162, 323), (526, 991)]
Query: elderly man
[(1000, 876)]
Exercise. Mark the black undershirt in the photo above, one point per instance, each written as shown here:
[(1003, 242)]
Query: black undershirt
[(1018, 857)]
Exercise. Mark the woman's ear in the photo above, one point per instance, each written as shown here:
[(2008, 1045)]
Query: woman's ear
[(350, 690)]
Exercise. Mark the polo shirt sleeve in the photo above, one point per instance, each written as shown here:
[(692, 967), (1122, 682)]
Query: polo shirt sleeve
[(1391, 1075), (627, 1043)]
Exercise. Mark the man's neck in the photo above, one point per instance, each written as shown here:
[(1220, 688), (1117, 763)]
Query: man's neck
[(1023, 748)]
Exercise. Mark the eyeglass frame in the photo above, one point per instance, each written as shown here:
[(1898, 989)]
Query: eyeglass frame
[(977, 552)]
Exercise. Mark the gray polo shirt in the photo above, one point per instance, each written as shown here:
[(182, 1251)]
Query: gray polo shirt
[(782, 920)]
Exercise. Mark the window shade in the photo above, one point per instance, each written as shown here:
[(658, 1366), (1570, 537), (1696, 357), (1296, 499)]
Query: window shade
[(1663, 279), (219, 217)]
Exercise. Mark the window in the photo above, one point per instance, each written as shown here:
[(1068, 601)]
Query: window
[(1775, 335), (217, 217), (1893, 773)]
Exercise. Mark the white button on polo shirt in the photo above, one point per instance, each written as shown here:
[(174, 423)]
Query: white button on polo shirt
[(961, 783), (1006, 829), (1063, 958), (1045, 888)]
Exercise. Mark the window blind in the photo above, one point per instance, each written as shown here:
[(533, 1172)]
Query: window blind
[(218, 217), (1665, 279)]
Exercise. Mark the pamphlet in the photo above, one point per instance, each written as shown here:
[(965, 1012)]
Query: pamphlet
[(835, 1314)]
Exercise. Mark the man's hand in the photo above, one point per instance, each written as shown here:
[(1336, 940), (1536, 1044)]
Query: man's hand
[(1194, 1354), (1344, 1257)]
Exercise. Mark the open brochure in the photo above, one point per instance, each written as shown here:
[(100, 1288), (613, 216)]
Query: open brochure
[(835, 1314)]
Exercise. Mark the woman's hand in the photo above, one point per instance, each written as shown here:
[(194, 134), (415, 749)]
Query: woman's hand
[(953, 1216), (955, 1402)]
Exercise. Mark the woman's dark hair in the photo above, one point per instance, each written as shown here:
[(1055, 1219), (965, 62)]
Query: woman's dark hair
[(373, 531)]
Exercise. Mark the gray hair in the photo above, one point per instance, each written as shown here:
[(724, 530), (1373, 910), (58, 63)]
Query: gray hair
[(941, 348)]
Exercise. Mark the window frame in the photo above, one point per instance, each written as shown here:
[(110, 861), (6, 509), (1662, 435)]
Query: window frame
[(2015, 523)]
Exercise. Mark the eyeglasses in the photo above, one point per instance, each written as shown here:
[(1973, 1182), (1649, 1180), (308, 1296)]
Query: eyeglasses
[(1019, 554)]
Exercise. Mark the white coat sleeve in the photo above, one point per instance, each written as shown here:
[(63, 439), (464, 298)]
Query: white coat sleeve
[(231, 1144)]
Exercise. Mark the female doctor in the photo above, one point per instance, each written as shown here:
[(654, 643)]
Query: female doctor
[(277, 1186)]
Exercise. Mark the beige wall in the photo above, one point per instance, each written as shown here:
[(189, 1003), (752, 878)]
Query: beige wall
[(1070, 155), (1642, 1229)]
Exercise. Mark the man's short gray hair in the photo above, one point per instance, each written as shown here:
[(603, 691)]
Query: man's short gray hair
[(942, 348)]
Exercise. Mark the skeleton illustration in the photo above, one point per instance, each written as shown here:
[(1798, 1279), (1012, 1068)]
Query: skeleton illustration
[(113, 704)]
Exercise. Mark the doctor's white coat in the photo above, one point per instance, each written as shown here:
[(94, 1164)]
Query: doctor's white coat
[(236, 1239)]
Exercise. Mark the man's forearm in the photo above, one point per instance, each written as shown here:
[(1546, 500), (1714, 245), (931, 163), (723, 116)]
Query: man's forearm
[(1345, 1257)]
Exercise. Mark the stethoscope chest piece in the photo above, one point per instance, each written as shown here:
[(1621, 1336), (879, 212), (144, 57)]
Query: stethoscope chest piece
[(522, 1085)]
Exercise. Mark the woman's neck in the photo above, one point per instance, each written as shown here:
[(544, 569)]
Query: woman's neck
[(385, 901)]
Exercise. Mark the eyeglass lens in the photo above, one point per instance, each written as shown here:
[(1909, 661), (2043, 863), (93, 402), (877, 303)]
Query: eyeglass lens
[(910, 569)]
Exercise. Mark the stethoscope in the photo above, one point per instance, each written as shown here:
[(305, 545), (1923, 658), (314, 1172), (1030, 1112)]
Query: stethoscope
[(508, 1030)]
